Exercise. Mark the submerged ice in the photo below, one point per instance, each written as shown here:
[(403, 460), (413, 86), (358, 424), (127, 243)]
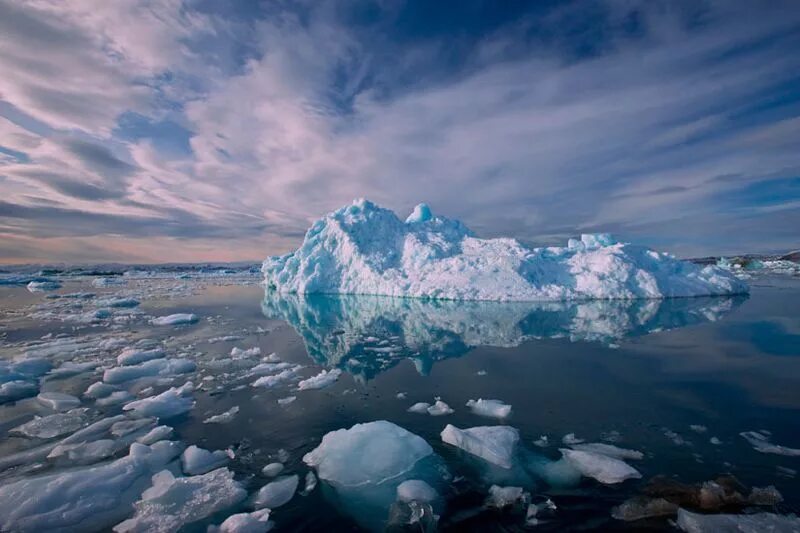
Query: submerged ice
[(365, 249)]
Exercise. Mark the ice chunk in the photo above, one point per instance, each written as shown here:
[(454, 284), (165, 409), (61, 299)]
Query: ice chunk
[(156, 367), (176, 319), (171, 402), (71, 368), (58, 401), (605, 469), (287, 400), (392, 451), (609, 450), (421, 213), (311, 483), (250, 352), (500, 497), (495, 444), (439, 408), (490, 408), (365, 249), (135, 356), (43, 286), (416, 490), (277, 493), (156, 434), (223, 418), (115, 398), (321, 380), (749, 523), (760, 443), (272, 469), (170, 503), (55, 425), (18, 389), (277, 379), (83, 499), (639, 508), (196, 460), (570, 439), (99, 390), (255, 522)]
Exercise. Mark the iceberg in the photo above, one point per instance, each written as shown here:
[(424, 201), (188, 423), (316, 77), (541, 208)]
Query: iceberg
[(366, 249)]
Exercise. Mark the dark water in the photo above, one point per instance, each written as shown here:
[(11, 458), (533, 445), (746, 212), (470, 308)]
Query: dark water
[(637, 374)]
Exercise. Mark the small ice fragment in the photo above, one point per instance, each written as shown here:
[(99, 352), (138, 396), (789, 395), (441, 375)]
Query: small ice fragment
[(42, 286), (287, 400), (439, 408), (416, 490), (272, 469), (176, 319), (501, 497), (58, 401), (171, 402), (421, 213), (495, 444), (401, 395), (255, 522), (156, 434), (760, 443), (223, 418), (239, 353), (196, 460), (542, 441), (603, 468), (757, 522), (490, 408), (311, 483), (785, 471), (135, 356), (321, 380), (697, 428), (55, 425), (570, 439), (715, 441), (481, 373), (419, 407), (282, 455), (99, 390), (639, 508), (115, 398), (277, 493)]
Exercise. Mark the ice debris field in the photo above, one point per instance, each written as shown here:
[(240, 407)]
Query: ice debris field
[(366, 249)]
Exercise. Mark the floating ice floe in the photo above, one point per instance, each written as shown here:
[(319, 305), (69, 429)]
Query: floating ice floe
[(249, 352), (223, 418), (365, 465), (83, 499), (171, 503), (196, 460), (439, 408), (366, 249), (761, 443), (43, 286), (490, 408), (155, 367), (416, 490), (495, 444), (55, 425), (277, 493), (609, 450), (310, 483), (746, 523), (272, 469), (279, 378), (117, 302), (321, 380), (605, 469), (135, 356), (255, 522), (175, 320), (17, 389), (172, 402), (58, 401)]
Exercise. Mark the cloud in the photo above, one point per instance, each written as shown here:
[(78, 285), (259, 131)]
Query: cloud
[(635, 117)]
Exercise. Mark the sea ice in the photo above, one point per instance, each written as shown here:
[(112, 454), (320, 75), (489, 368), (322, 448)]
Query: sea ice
[(321, 380), (272, 469), (223, 418), (277, 493), (83, 499), (170, 503), (287, 400), (58, 401), (366, 249), (196, 460), (761, 443), (416, 490), (439, 408), (42, 286), (255, 522), (744, 523), (495, 444), (490, 408), (99, 390), (609, 450), (172, 402), (176, 319), (310, 483), (18, 389), (135, 356), (605, 469), (249, 352), (500, 497), (155, 367), (55, 425)]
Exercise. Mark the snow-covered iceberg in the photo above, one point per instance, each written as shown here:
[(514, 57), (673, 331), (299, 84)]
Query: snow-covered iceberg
[(366, 249)]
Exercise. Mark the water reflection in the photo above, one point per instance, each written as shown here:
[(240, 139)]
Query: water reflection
[(366, 335)]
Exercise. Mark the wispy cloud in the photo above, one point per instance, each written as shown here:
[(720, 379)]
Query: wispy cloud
[(643, 118)]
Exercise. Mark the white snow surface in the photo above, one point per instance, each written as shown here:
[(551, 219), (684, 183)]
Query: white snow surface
[(365, 249)]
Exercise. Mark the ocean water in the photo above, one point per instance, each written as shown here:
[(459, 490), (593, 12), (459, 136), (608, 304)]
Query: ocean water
[(678, 380)]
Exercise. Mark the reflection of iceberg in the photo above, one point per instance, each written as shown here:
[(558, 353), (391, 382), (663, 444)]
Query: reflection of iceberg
[(368, 334)]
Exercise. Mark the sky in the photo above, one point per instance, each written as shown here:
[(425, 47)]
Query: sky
[(197, 130)]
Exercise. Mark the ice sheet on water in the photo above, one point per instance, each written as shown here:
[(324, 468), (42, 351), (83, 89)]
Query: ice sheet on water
[(55, 425), (605, 469), (324, 379), (277, 493), (365, 249), (135, 356), (175, 319), (749, 523), (249, 352), (272, 469), (155, 367), (490, 408), (608, 450), (196, 460), (83, 499), (171, 502), (172, 402), (495, 444), (255, 522), (17, 389)]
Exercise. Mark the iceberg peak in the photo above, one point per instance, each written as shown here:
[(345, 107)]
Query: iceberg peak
[(363, 248), (421, 213)]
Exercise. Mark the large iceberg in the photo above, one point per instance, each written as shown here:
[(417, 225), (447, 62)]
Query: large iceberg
[(365, 249)]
